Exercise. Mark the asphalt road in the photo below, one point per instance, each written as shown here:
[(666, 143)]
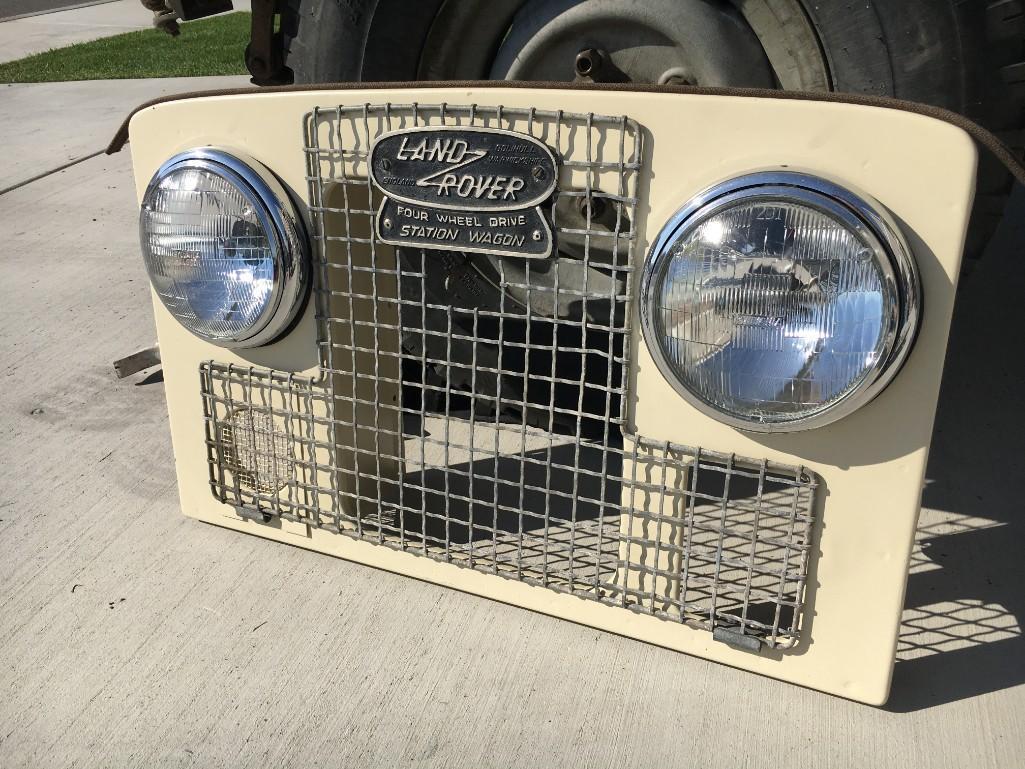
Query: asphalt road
[(133, 636), (12, 9)]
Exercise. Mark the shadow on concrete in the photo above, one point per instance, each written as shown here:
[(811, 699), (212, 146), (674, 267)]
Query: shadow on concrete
[(965, 606), (154, 377)]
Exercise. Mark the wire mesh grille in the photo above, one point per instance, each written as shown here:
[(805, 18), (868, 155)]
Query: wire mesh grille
[(471, 408)]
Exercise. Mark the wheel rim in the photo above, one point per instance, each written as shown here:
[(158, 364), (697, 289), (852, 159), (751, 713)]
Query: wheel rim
[(766, 43), (662, 41), (480, 39), (755, 43)]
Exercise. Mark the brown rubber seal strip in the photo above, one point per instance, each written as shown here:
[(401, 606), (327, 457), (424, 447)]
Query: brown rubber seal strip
[(984, 138)]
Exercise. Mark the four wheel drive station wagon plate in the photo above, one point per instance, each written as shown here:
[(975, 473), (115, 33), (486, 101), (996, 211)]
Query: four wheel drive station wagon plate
[(469, 189)]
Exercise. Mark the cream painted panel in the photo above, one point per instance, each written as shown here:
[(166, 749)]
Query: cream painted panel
[(871, 463)]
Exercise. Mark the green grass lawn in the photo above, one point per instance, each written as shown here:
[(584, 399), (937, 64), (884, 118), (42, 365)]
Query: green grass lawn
[(213, 46)]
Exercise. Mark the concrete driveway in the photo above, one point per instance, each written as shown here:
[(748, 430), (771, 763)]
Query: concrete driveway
[(33, 33), (132, 636)]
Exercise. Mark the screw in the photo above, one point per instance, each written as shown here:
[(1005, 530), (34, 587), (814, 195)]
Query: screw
[(536, 234), (385, 164), (538, 173), (386, 223)]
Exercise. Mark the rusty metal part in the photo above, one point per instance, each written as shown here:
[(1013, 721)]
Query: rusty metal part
[(137, 361), (265, 58)]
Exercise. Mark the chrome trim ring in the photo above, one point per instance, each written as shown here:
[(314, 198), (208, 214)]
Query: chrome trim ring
[(857, 211), (283, 224)]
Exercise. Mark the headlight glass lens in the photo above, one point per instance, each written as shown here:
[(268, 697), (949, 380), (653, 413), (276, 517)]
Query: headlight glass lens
[(771, 308), (218, 251)]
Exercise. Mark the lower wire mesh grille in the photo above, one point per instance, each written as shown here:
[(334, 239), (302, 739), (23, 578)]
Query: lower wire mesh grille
[(470, 409), (684, 534)]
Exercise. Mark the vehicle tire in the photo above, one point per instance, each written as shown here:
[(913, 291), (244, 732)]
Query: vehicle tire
[(964, 55), (967, 56)]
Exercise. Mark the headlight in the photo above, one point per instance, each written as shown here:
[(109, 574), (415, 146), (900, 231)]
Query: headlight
[(224, 248), (779, 301)]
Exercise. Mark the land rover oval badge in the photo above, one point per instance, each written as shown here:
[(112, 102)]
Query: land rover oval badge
[(464, 189)]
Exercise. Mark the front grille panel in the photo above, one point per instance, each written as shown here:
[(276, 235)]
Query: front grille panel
[(484, 427)]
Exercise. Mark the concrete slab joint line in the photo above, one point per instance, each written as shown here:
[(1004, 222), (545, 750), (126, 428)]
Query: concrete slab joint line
[(52, 171), (40, 141)]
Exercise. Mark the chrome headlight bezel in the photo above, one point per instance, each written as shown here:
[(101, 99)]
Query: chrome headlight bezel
[(856, 211), (281, 221)]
